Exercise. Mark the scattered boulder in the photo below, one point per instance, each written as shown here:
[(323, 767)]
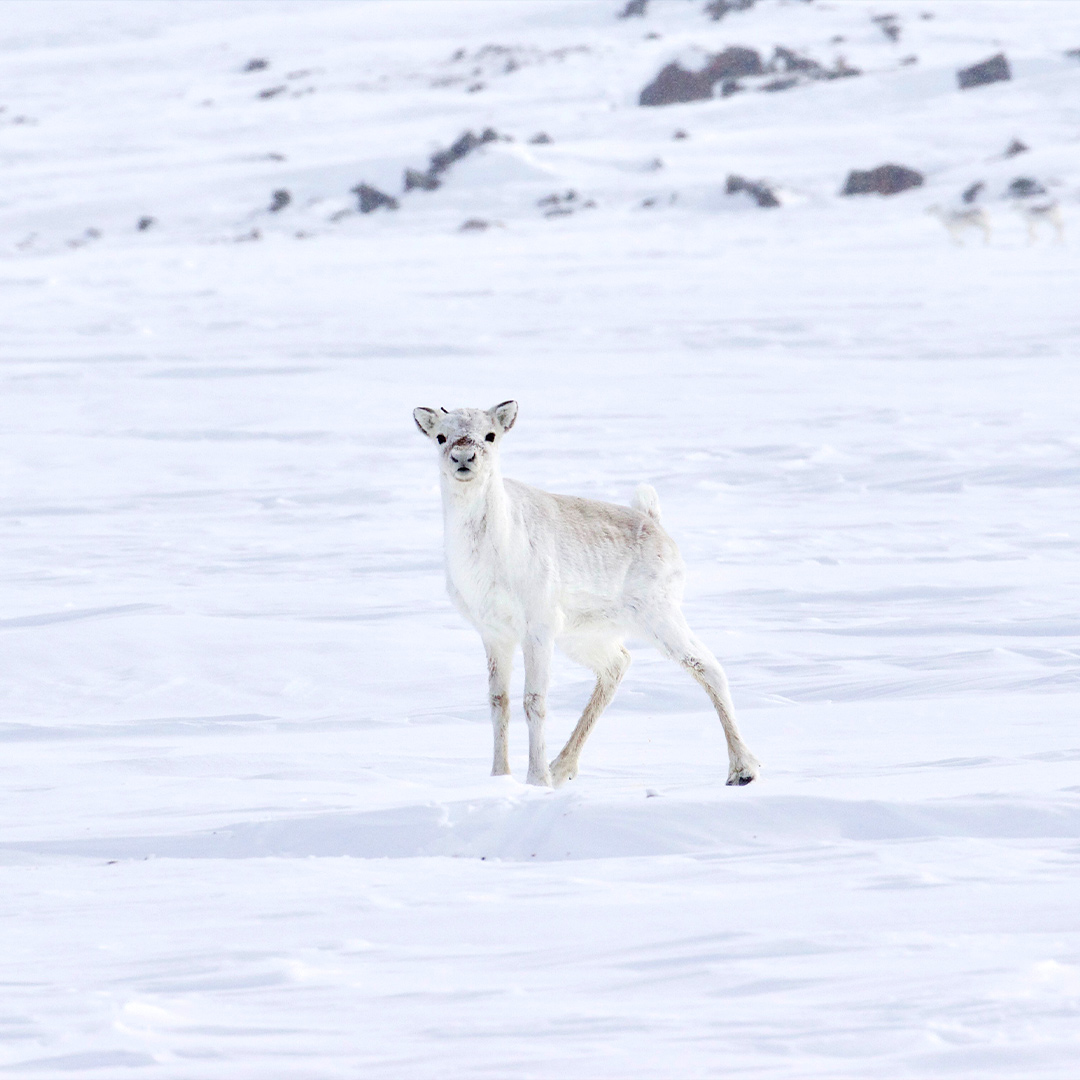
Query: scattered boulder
[(541, 138), (564, 204), (474, 224), (680, 134), (675, 84), (371, 198), (256, 64), (634, 9), (279, 200), (907, 61), (87, 236), (717, 9), (1016, 147), (145, 223), (889, 25), (272, 91), (787, 60), (556, 199), (1073, 54), (995, 69), (971, 193), (884, 180), (425, 181), (441, 160), (1023, 187), (758, 190)]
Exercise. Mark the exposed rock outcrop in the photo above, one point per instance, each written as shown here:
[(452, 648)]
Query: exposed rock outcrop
[(889, 25), (674, 83), (995, 69), (884, 180), (717, 9), (441, 160), (371, 198), (1023, 187), (972, 192), (758, 190)]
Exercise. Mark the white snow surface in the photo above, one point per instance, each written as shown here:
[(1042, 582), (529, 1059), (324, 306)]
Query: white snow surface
[(247, 826)]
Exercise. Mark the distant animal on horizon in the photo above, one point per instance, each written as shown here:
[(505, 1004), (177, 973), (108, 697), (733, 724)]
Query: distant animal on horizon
[(534, 569), (1036, 214), (959, 222)]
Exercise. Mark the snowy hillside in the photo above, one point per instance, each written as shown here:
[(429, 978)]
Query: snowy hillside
[(246, 826)]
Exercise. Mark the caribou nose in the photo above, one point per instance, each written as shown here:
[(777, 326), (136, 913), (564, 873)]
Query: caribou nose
[(463, 454)]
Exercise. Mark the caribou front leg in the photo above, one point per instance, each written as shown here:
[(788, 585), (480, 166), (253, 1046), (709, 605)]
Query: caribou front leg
[(499, 658), (537, 648)]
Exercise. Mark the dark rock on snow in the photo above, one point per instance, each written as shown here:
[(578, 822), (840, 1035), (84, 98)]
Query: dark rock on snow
[(758, 190), (787, 60), (996, 69), (1024, 187), (414, 178), (884, 180), (717, 9), (256, 64), (970, 194), (372, 198), (541, 138), (780, 84), (441, 160), (634, 8), (474, 224), (279, 200), (889, 24), (145, 223), (557, 205), (1016, 147), (675, 84)]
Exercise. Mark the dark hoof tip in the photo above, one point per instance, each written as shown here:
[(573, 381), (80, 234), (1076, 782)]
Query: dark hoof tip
[(740, 781)]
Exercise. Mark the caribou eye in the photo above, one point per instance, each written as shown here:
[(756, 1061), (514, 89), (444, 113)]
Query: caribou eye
[(440, 439), (490, 436)]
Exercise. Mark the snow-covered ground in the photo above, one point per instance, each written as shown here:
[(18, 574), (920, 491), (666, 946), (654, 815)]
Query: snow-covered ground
[(246, 827)]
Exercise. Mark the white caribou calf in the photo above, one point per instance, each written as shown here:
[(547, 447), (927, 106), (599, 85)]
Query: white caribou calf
[(1034, 216), (958, 222), (531, 568)]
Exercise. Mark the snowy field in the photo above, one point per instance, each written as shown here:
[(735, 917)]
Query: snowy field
[(246, 826)]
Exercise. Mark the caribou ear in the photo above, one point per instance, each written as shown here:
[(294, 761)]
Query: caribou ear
[(504, 414), (426, 419)]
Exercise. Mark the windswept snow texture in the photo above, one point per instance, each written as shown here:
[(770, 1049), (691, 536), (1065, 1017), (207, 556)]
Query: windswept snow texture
[(247, 826)]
